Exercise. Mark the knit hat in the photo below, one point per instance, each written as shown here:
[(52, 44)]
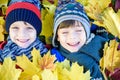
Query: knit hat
[(70, 10), (24, 10)]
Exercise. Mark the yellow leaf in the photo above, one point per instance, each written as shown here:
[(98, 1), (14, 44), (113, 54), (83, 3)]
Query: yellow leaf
[(29, 69), (95, 9), (35, 56), (47, 61), (47, 20), (2, 29), (47, 74), (59, 69), (76, 73), (83, 2), (111, 57), (112, 21), (3, 2), (8, 70), (35, 77)]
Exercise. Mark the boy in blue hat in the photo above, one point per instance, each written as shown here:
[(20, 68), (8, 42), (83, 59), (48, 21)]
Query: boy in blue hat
[(23, 23)]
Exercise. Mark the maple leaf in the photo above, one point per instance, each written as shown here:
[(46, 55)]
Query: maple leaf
[(111, 57), (50, 75), (47, 61), (3, 2), (95, 8), (59, 69), (47, 20), (76, 73), (112, 21), (8, 70), (35, 56), (35, 77), (29, 68), (2, 29), (83, 2)]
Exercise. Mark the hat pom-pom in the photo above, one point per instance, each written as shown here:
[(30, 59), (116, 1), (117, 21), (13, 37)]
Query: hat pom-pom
[(35, 2)]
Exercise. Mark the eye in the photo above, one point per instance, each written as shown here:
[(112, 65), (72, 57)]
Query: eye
[(15, 28), (65, 32), (30, 28), (78, 30)]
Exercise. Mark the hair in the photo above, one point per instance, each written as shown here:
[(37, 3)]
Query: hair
[(67, 23)]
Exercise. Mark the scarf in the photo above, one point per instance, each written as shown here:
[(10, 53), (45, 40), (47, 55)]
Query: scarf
[(87, 56), (12, 50)]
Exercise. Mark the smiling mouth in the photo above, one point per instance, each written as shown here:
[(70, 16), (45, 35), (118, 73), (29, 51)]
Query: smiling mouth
[(76, 44), (23, 40)]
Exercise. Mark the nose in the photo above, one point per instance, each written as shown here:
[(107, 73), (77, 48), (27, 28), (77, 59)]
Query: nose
[(72, 35), (22, 33)]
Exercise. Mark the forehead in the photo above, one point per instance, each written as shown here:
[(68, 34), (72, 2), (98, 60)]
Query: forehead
[(70, 23), (21, 23)]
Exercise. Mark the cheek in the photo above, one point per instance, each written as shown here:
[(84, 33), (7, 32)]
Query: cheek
[(12, 33), (32, 35), (61, 38), (83, 37)]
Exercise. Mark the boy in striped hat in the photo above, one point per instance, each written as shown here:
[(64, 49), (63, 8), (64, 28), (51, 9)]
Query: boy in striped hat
[(73, 40)]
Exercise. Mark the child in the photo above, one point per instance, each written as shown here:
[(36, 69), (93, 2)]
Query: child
[(72, 38), (23, 24)]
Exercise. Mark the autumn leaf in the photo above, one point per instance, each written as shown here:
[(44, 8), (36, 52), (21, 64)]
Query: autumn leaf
[(41, 68), (76, 73), (8, 70), (3, 2), (83, 2), (112, 21), (47, 19), (35, 56), (47, 61), (35, 77), (111, 57), (60, 66), (2, 29), (95, 8), (29, 69), (50, 75)]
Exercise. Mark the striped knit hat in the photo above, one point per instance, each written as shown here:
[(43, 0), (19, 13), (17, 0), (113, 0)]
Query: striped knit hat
[(70, 10), (24, 10)]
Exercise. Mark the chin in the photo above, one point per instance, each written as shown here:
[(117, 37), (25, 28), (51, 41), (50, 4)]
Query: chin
[(74, 51), (23, 46)]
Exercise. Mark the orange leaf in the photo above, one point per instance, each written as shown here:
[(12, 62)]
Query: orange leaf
[(47, 62)]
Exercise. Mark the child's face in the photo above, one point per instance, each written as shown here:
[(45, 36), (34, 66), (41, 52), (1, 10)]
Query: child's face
[(22, 33), (72, 38)]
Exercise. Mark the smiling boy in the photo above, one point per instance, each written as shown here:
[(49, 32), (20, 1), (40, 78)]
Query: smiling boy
[(23, 25)]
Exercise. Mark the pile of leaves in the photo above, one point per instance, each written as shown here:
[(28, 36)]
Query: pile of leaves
[(110, 63), (41, 68)]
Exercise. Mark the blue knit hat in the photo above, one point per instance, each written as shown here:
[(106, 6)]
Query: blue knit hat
[(24, 10), (70, 10)]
